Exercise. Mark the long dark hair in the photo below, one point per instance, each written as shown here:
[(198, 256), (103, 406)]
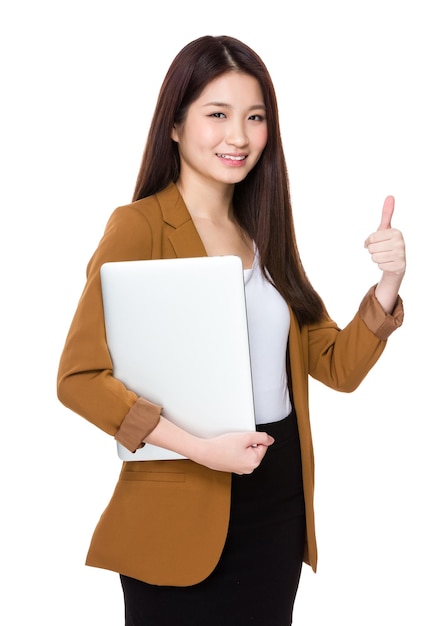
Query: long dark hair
[(261, 202)]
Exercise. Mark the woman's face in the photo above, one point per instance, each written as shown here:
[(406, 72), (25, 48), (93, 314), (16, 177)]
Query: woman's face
[(224, 131)]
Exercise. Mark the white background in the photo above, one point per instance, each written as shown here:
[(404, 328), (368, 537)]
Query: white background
[(360, 92)]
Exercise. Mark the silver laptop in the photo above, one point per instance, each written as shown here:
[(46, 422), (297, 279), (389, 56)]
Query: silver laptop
[(177, 334)]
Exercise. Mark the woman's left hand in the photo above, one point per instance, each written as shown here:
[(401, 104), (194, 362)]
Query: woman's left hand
[(387, 248)]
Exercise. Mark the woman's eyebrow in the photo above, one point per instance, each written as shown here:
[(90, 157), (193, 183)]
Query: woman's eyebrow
[(229, 106)]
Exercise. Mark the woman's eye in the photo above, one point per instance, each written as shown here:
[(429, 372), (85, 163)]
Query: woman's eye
[(218, 115), (257, 118)]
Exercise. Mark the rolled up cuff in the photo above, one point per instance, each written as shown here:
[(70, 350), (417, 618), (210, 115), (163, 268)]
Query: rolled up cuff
[(140, 420), (373, 315)]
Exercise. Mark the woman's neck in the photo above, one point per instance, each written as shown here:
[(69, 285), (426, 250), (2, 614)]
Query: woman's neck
[(206, 202), (211, 211)]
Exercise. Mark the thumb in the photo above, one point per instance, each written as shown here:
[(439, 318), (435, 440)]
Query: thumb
[(262, 439), (386, 215)]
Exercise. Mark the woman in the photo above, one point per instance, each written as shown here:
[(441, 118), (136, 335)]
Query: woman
[(219, 537)]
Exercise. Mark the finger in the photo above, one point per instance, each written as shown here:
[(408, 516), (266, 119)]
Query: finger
[(386, 215), (262, 439)]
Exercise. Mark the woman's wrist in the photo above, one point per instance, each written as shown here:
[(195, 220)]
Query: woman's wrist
[(168, 435), (387, 290)]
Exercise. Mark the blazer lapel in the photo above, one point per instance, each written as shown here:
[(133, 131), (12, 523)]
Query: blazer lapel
[(184, 239)]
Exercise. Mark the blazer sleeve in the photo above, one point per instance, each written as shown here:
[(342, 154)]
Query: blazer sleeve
[(341, 358), (85, 381)]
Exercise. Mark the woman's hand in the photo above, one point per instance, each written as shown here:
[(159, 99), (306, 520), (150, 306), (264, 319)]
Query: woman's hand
[(387, 248), (239, 453)]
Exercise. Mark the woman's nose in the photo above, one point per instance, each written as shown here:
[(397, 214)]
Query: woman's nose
[(236, 135)]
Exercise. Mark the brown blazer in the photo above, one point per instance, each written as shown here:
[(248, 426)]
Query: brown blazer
[(167, 521)]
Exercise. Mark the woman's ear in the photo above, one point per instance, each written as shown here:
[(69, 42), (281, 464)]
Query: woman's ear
[(174, 134)]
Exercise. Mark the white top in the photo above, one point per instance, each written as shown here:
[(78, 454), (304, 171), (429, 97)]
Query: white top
[(268, 324)]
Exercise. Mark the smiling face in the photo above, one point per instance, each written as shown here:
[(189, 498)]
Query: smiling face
[(224, 132)]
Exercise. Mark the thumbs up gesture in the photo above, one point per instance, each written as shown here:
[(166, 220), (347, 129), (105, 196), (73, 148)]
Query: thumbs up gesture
[(387, 248)]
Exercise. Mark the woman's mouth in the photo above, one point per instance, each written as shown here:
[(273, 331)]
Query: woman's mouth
[(232, 160), (232, 157)]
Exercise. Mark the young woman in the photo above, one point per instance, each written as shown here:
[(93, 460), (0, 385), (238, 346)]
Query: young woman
[(219, 537)]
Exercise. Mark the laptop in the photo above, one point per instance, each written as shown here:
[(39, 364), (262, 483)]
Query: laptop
[(177, 334)]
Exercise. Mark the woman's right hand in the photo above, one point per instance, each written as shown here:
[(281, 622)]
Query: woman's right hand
[(239, 453)]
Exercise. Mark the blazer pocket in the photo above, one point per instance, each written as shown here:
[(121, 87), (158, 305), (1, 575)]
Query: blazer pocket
[(162, 477)]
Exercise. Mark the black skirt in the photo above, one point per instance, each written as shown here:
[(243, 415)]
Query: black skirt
[(256, 579)]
